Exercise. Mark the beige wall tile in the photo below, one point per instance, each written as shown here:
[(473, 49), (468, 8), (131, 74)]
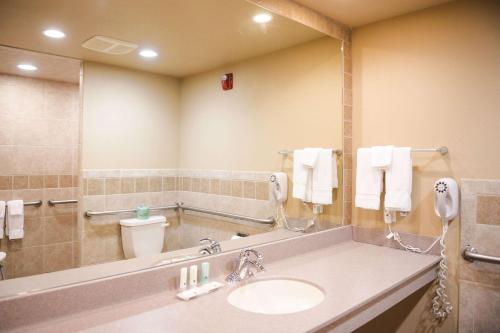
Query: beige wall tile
[(186, 184), (488, 209), (5, 182), (262, 191), (57, 257), (225, 187), (50, 181), (237, 188), (169, 183), (20, 182), (141, 184), (112, 186), (65, 181), (195, 184), (128, 185), (58, 229), (155, 184), (26, 261), (204, 185), (95, 186), (249, 189), (214, 186), (35, 182)]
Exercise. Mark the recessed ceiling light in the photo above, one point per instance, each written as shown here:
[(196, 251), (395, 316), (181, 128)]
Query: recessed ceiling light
[(146, 53), (53, 33), (27, 67), (262, 18)]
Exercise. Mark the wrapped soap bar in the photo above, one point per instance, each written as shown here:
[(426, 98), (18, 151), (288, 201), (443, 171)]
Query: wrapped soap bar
[(142, 212)]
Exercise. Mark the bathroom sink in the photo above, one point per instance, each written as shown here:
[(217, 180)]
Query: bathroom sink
[(276, 296)]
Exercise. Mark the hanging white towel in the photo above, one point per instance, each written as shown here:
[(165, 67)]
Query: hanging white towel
[(15, 219), (381, 156), (302, 177), (368, 181), (2, 218), (310, 157), (335, 176), (322, 178), (398, 181)]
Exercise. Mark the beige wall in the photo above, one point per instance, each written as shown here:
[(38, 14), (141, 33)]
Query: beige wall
[(287, 99), (130, 118), (429, 79)]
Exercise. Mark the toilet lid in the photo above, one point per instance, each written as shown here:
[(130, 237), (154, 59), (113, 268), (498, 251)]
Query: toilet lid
[(137, 222)]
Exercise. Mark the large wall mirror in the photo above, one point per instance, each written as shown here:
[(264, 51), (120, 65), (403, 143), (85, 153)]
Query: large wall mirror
[(188, 108)]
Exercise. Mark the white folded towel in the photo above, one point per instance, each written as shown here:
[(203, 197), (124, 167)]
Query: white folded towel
[(15, 219), (2, 218), (302, 177), (368, 181), (322, 178), (310, 157), (398, 181), (381, 156)]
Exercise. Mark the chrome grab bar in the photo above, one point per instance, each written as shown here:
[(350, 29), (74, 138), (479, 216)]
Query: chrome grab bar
[(471, 254), (37, 203), (51, 202), (230, 215), (269, 221), (90, 213)]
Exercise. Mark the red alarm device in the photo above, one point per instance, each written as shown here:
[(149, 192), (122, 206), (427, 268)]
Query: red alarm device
[(227, 81)]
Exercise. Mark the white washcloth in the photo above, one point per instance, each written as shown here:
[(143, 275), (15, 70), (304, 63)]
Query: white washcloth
[(398, 181), (381, 156), (2, 218), (302, 177), (322, 178), (368, 181), (15, 219), (310, 157)]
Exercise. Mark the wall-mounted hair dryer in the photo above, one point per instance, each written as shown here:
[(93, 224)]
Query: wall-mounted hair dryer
[(446, 198), (279, 186)]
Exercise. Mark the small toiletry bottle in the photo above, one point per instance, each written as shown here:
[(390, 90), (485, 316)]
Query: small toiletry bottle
[(142, 212), (193, 276), (183, 278), (205, 272)]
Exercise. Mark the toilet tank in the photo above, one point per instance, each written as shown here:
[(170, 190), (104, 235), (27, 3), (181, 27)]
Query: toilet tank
[(143, 237)]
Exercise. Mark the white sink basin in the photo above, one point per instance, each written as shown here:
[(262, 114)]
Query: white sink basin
[(276, 296)]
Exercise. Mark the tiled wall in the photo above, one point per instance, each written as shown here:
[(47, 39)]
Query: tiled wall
[(39, 126), (479, 282), (243, 193)]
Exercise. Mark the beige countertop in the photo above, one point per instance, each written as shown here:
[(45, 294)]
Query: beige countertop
[(360, 281)]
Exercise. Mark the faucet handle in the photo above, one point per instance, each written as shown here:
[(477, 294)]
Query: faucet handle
[(213, 244), (247, 252)]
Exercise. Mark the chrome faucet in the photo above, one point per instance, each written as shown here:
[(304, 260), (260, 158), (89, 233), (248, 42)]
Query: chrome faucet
[(211, 246), (244, 269)]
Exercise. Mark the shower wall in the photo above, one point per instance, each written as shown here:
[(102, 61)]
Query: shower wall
[(39, 138)]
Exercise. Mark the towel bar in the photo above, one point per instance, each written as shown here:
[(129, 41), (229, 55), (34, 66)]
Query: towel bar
[(51, 202)]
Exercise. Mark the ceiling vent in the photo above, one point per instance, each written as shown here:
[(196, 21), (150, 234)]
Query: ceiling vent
[(109, 45)]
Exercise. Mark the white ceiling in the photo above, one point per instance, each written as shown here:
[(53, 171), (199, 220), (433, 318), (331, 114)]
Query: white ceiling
[(49, 67), (191, 36), (355, 13)]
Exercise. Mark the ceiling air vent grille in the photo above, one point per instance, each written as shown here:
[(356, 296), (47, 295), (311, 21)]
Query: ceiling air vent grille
[(109, 45)]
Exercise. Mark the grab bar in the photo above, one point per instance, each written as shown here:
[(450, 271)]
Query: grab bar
[(471, 254), (37, 203), (90, 213), (230, 215), (270, 221), (51, 202)]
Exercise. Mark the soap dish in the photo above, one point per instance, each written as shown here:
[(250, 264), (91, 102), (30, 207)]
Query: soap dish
[(204, 289)]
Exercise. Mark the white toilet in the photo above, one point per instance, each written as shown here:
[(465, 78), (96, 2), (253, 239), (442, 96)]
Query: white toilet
[(143, 237)]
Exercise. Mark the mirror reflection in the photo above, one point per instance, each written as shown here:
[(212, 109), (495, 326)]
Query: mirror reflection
[(184, 136)]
